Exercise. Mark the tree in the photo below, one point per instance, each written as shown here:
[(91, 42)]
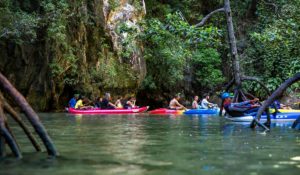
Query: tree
[(237, 77), (176, 53)]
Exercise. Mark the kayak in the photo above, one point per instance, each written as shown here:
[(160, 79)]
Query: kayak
[(279, 117), (188, 111), (166, 111), (202, 111), (107, 111), (286, 110)]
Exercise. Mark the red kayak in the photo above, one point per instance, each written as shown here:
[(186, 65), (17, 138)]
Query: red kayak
[(107, 111), (165, 111)]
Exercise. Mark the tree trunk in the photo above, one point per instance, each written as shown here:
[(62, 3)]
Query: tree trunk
[(232, 43), (30, 114)]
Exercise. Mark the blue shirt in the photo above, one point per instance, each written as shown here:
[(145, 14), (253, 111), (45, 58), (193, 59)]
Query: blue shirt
[(72, 103)]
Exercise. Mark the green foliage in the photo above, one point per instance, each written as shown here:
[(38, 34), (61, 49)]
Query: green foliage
[(129, 36), (273, 50), (170, 45), (113, 4), (207, 63), (17, 25), (192, 10), (173, 48), (64, 65), (109, 73)]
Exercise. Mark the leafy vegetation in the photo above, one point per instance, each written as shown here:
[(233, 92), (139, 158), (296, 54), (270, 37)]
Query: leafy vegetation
[(176, 53), (17, 25), (64, 66), (174, 50), (273, 51), (129, 34)]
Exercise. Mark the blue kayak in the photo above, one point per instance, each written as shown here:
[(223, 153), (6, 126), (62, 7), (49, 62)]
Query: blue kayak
[(202, 111), (279, 117)]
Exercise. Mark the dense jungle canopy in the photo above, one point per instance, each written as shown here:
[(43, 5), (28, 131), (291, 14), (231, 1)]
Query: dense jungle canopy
[(51, 49)]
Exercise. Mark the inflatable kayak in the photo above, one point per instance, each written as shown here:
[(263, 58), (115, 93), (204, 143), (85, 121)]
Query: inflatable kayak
[(286, 110), (166, 111), (107, 111), (202, 111), (279, 117)]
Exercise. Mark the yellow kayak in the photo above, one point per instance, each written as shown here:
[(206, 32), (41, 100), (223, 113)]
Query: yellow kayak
[(285, 110)]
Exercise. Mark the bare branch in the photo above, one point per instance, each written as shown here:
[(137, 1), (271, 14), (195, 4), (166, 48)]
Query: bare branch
[(277, 93), (271, 4), (229, 85), (258, 81), (18, 119), (243, 96), (182, 16), (7, 135), (203, 21)]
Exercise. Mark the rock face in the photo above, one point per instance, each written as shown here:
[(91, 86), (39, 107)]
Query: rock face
[(86, 47), (127, 14)]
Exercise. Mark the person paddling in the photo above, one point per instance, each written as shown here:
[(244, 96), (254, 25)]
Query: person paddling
[(206, 104), (98, 102), (118, 103), (130, 103), (79, 103), (175, 105), (195, 104), (83, 103), (238, 109), (106, 104), (73, 101)]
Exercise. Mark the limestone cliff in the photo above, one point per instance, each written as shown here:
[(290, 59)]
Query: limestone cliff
[(86, 47)]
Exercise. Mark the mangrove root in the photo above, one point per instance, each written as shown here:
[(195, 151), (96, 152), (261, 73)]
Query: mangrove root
[(277, 93), (31, 116)]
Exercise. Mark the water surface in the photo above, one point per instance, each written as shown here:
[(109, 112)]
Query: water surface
[(147, 144)]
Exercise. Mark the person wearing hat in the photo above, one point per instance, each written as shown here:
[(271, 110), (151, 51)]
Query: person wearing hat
[(175, 105), (238, 109), (73, 101)]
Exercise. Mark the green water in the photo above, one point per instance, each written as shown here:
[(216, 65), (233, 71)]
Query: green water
[(144, 144)]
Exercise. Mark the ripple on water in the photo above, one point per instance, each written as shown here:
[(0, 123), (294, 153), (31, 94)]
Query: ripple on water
[(297, 158)]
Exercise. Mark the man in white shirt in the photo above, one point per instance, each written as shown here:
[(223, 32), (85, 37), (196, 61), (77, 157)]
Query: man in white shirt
[(206, 104)]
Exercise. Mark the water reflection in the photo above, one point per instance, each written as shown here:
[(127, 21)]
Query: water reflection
[(154, 144)]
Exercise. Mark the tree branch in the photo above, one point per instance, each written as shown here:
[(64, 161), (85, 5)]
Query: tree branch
[(271, 4), (30, 114), (203, 21), (229, 85), (18, 119), (277, 93), (258, 81), (7, 135)]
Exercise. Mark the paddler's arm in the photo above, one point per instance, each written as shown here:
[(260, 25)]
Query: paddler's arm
[(180, 105), (111, 104)]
